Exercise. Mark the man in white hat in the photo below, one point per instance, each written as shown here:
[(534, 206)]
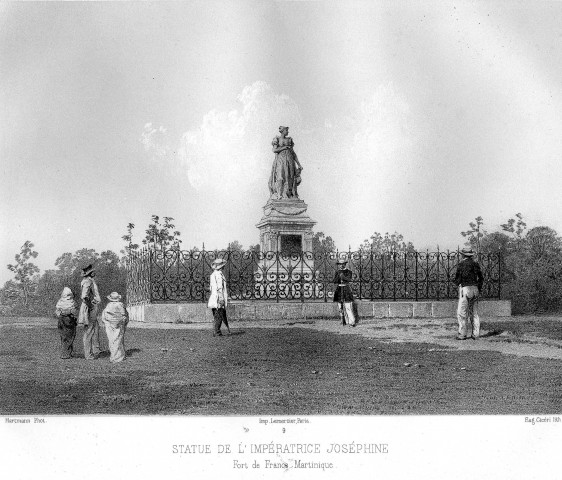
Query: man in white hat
[(88, 315), (343, 295), (219, 297), (469, 279)]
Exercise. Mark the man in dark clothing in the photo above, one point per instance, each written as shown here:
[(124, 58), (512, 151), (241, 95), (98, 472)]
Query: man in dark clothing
[(469, 279), (343, 295)]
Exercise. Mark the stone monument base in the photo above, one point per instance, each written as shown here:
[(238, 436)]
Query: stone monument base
[(298, 311), (285, 227)]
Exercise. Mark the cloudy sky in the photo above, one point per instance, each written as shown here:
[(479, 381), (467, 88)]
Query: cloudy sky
[(413, 117)]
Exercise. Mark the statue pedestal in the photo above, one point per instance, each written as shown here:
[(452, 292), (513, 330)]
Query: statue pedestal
[(285, 227), (286, 232)]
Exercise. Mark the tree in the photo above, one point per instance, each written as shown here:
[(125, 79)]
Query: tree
[(536, 283), (475, 234), (128, 238), (543, 242), (254, 248), (235, 246), (80, 259), (390, 243), (65, 264), (495, 242), (110, 275), (162, 236), (11, 290), (322, 244), (531, 262), (516, 227), (24, 270), (69, 273)]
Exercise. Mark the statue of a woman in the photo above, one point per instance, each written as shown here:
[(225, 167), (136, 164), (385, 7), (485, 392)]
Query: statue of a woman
[(286, 169)]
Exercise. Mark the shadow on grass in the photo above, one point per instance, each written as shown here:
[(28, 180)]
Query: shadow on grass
[(106, 353), (491, 333)]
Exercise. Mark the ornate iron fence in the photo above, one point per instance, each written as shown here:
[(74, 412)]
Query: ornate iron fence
[(139, 266), (160, 275)]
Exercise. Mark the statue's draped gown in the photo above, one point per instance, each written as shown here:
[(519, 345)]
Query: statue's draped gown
[(284, 172)]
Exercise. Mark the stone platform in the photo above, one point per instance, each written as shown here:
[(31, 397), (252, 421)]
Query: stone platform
[(248, 311)]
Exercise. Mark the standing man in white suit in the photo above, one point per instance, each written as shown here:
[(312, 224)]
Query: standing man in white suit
[(219, 297)]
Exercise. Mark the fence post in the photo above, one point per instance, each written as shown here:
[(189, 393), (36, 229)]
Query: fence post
[(458, 256), (448, 275), (164, 271), (145, 262), (128, 269), (438, 277), (499, 273), (349, 264), (253, 255), (203, 261), (382, 275), (277, 267), (416, 282), (336, 267), (427, 274), (325, 291), (228, 282), (178, 256), (393, 275), (192, 274), (302, 276), (371, 281), (360, 273), (150, 258), (405, 274)]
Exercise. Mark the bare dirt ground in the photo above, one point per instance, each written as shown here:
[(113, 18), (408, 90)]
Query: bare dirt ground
[(310, 367), (512, 337), (527, 336)]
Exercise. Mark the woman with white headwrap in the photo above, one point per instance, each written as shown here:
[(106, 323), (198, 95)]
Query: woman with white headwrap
[(66, 312), (115, 319)]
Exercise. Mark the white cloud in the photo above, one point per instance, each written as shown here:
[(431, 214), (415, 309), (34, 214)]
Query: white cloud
[(235, 146), (155, 140)]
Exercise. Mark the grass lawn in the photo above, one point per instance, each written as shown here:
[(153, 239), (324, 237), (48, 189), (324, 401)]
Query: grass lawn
[(536, 326), (294, 371)]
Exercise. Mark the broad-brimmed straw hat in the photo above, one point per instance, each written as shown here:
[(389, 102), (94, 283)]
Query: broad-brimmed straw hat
[(88, 270), (218, 263), (114, 297), (467, 252)]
